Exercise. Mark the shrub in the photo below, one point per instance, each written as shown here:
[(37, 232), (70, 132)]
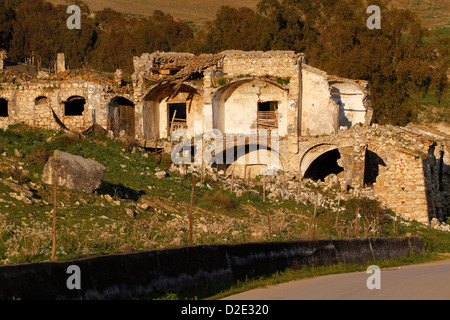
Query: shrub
[(368, 208), (224, 201), (67, 139), (18, 175), (39, 156)]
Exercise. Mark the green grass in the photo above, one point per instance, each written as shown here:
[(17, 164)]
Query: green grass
[(88, 224)]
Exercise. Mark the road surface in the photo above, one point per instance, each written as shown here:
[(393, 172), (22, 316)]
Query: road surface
[(429, 281)]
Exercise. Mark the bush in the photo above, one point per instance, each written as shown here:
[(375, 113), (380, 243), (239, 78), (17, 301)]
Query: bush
[(18, 175), (368, 208), (224, 201), (67, 139), (39, 156)]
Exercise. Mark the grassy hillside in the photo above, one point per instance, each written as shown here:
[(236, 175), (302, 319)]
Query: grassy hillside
[(134, 210), (433, 12), (198, 11)]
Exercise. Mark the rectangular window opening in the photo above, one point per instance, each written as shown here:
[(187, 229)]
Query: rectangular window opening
[(268, 115)]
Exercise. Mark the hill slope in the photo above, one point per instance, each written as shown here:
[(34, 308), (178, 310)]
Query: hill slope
[(198, 11), (432, 12)]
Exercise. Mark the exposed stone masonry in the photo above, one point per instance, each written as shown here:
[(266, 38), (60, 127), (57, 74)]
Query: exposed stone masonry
[(323, 122)]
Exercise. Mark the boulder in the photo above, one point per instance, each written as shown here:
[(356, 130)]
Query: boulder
[(74, 172)]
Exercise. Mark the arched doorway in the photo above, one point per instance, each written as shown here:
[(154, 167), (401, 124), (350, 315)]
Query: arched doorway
[(324, 165), (121, 116), (252, 159)]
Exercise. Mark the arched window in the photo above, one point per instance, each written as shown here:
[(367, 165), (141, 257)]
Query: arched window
[(41, 101)]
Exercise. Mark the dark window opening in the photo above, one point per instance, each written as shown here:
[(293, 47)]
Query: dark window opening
[(177, 117), (74, 106), (196, 76), (4, 108), (324, 165), (267, 115), (268, 106), (178, 110)]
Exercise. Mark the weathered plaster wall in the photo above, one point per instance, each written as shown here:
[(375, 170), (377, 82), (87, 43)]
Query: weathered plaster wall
[(235, 106), (350, 99), (319, 114)]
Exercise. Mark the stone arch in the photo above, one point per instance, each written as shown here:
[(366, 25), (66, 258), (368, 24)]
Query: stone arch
[(312, 154), (121, 116), (249, 158), (41, 100), (4, 108), (160, 103), (236, 105), (323, 165)]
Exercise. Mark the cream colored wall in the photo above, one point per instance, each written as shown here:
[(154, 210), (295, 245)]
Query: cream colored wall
[(235, 108), (349, 97), (320, 114)]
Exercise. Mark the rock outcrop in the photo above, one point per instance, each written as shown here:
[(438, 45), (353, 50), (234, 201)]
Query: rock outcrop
[(74, 172)]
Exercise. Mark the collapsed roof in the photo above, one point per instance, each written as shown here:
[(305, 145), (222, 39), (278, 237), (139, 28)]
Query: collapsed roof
[(174, 65)]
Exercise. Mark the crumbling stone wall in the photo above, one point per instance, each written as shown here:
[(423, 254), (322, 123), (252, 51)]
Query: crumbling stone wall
[(34, 102), (414, 181), (276, 64), (323, 120)]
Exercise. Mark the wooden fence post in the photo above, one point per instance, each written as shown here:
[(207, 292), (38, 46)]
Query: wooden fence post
[(337, 218), (190, 210), (55, 204), (328, 220), (315, 211)]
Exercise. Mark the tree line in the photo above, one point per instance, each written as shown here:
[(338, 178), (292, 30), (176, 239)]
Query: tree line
[(399, 60)]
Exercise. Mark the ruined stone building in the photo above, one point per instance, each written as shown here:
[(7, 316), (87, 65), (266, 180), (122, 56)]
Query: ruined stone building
[(323, 122)]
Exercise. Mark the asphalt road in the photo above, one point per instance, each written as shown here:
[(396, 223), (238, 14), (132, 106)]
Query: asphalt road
[(429, 281)]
